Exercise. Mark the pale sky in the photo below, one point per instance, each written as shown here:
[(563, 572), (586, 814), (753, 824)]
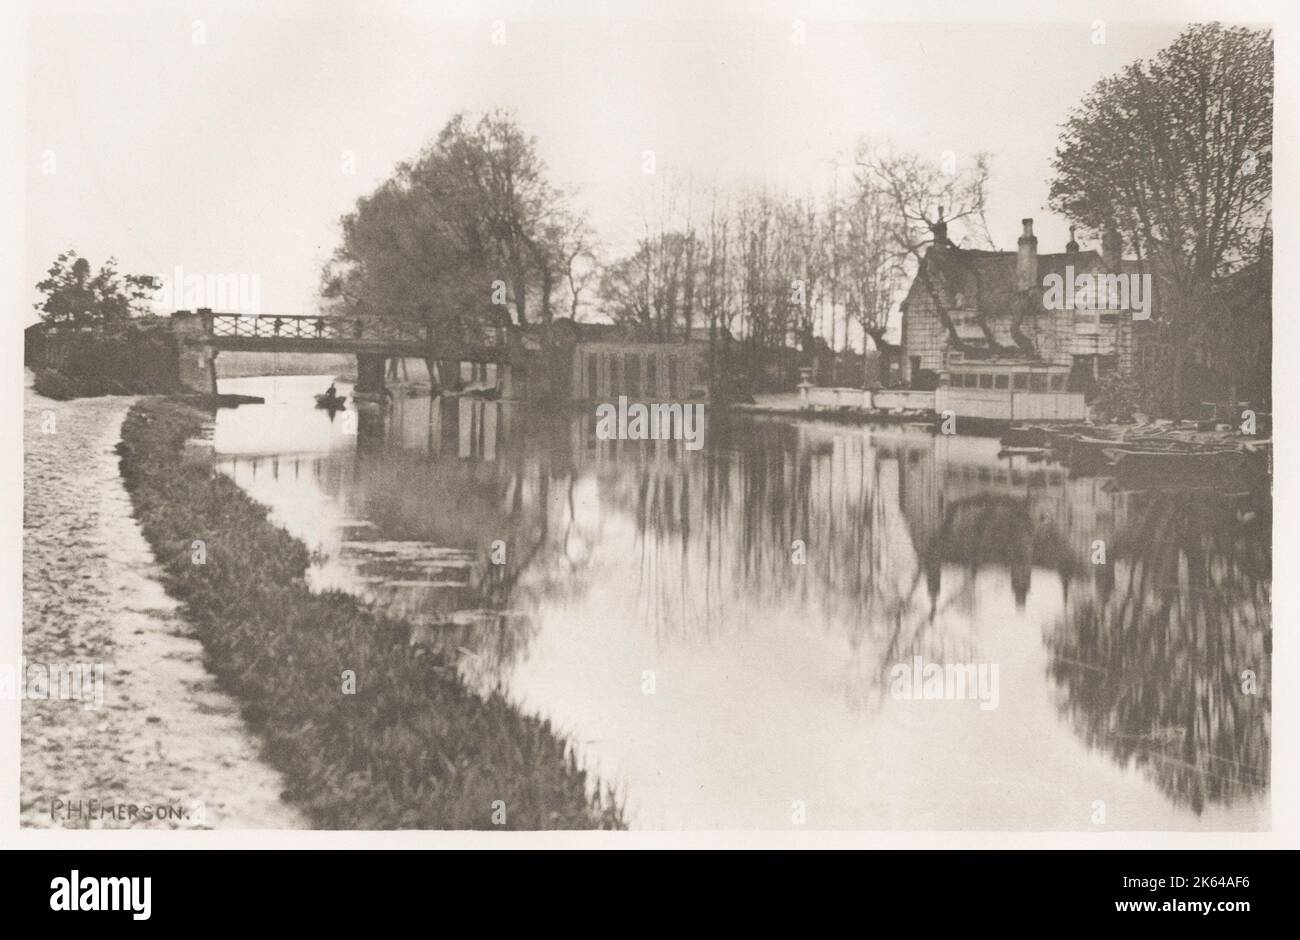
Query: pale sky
[(227, 157)]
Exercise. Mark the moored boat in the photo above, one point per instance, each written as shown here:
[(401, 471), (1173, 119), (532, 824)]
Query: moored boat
[(1163, 465), (1025, 435), (1086, 454)]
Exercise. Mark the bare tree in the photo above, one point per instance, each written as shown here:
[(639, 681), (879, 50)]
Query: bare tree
[(918, 190), (925, 198), (581, 263), (873, 268)]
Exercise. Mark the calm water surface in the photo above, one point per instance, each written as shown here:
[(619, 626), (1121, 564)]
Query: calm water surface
[(651, 607)]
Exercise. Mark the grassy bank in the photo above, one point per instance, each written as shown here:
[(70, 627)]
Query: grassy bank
[(413, 748)]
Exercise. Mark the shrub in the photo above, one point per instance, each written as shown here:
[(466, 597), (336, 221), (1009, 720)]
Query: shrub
[(1117, 399), (56, 385), (124, 359)]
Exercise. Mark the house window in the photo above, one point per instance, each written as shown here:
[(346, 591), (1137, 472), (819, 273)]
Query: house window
[(593, 386), (986, 381), (652, 375), (1038, 381), (615, 384), (1001, 381), (672, 376), (1058, 383), (1020, 381)]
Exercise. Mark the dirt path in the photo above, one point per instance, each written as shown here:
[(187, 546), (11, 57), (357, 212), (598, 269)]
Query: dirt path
[(165, 734)]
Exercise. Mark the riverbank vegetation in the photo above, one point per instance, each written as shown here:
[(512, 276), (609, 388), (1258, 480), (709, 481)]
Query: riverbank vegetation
[(94, 337), (412, 747), (130, 359)]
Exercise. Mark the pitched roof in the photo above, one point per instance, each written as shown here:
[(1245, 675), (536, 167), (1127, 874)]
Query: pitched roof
[(984, 283)]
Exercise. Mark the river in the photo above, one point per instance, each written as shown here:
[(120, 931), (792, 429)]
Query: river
[(729, 635)]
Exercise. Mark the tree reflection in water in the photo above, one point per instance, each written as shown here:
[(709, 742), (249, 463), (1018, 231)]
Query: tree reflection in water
[(1152, 667), (902, 532)]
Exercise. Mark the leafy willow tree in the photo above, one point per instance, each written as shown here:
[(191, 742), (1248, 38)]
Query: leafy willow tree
[(1175, 154), (76, 297), (471, 230)]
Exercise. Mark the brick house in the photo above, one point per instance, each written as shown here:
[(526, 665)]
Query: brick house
[(969, 311)]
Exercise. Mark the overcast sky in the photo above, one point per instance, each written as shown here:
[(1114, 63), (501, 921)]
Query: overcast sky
[(228, 156)]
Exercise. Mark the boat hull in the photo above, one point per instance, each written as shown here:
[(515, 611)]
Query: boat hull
[(1169, 466)]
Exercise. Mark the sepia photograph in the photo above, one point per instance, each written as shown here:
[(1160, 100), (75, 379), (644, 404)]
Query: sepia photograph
[(744, 419)]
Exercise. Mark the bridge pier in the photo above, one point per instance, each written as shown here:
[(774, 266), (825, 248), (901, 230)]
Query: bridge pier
[(196, 357), (370, 377)]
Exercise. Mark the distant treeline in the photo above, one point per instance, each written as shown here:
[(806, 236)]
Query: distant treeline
[(233, 365)]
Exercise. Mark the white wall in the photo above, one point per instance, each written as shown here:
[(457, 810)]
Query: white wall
[(837, 398), (993, 404), (902, 398), (1009, 404)]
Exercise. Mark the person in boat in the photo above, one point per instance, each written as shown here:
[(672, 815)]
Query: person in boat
[(331, 393)]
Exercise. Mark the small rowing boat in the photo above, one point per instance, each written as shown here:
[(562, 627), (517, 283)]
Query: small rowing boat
[(330, 402), (1174, 465)]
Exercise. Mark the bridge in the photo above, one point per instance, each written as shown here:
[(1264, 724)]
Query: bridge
[(387, 336), (202, 335)]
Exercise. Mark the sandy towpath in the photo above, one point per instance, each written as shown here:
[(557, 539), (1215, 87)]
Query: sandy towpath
[(165, 734)]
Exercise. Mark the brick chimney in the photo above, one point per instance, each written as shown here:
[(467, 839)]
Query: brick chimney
[(940, 231), (1027, 257), (1112, 250)]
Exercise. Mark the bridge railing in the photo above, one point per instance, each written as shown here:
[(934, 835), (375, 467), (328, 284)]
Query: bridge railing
[(363, 328), (374, 329)]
